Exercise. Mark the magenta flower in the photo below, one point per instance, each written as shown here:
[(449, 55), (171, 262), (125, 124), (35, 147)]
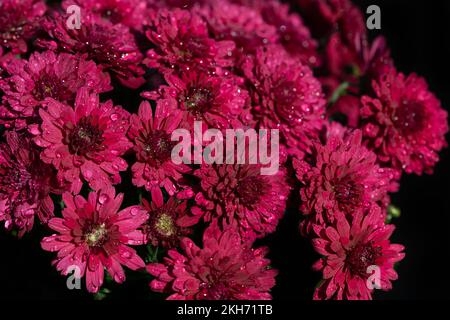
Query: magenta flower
[(46, 75), (182, 42), (86, 142), (151, 135), (404, 123), (162, 228), (19, 22), (342, 177), (219, 102), (292, 32), (224, 269), (286, 96), (112, 46), (131, 13), (93, 235), (241, 194), (241, 24), (349, 248), (25, 184)]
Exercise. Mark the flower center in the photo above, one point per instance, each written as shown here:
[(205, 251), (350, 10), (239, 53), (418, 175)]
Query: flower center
[(410, 117), (348, 194), (192, 47), (158, 147), (85, 137), (165, 225), (215, 291), (250, 190), (48, 86), (361, 257), (198, 101), (96, 236)]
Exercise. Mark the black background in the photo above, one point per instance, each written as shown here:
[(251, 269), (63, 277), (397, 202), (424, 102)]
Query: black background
[(418, 33)]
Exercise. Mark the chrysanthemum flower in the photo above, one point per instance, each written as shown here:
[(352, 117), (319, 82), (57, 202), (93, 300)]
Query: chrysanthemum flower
[(238, 23), (219, 102), (46, 75), (110, 45), (162, 228), (86, 142), (18, 22), (292, 32), (182, 42), (131, 13), (94, 235), (286, 96), (224, 269), (239, 193), (352, 251), (404, 122), (342, 176), (151, 134), (25, 184)]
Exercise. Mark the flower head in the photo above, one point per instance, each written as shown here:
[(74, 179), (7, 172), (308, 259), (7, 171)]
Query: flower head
[(286, 96), (225, 268), (84, 142), (182, 42), (131, 13), (93, 235), (162, 227), (46, 75), (293, 35), (342, 177), (404, 122), (241, 194), (151, 135), (352, 250), (238, 23), (25, 184), (110, 45), (18, 22), (219, 102)]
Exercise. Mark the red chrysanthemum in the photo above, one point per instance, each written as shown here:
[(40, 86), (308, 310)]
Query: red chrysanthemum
[(225, 268), (151, 134), (162, 228), (219, 102), (241, 194), (286, 96), (110, 45), (342, 176), (352, 251), (18, 22), (292, 32), (46, 75), (25, 184), (86, 142), (182, 42), (240, 24), (131, 13), (94, 235), (404, 122)]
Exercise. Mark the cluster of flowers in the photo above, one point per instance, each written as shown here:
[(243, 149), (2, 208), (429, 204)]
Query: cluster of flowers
[(66, 148)]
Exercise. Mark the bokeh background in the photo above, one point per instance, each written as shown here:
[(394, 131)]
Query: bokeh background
[(418, 33)]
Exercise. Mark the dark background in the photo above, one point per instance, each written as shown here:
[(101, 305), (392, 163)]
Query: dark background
[(418, 33)]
